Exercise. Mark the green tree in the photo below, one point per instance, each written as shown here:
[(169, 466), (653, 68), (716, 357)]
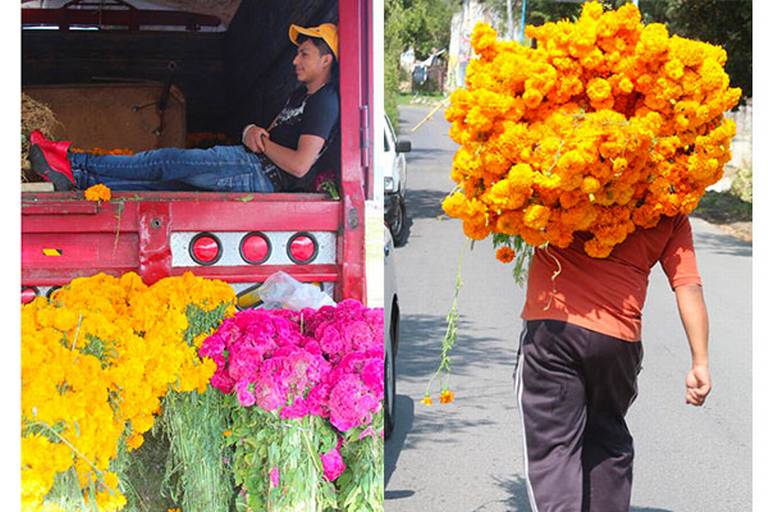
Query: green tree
[(422, 24)]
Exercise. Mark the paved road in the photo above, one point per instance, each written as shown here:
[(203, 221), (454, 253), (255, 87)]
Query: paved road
[(467, 456)]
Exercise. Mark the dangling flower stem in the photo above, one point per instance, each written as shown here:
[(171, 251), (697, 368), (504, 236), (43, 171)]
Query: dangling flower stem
[(449, 339)]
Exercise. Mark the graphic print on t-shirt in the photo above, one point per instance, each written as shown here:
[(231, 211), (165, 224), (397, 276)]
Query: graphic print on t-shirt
[(290, 116)]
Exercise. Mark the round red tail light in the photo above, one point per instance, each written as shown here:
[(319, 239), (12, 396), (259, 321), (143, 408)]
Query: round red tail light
[(302, 248), (205, 249), (28, 294), (255, 248)]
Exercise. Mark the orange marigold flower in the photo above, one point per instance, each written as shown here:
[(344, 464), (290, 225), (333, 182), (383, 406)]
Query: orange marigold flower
[(536, 216), (446, 396), (99, 192), (598, 89), (505, 254)]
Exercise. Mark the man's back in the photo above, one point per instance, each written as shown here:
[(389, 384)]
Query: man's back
[(607, 295)]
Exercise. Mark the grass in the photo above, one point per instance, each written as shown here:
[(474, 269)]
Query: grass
[(408, 99)]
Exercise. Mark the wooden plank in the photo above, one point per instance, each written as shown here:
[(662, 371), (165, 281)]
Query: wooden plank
[(40, 186)]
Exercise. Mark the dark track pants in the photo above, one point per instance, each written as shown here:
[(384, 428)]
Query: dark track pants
[(574, 387)]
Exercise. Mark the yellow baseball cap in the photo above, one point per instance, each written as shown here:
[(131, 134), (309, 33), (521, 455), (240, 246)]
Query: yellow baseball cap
[(326, 32)]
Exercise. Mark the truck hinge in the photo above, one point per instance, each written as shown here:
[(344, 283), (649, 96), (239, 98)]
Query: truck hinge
[(365, 139)]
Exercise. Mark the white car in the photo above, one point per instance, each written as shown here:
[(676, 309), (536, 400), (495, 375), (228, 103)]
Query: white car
[(395, 173), (391, 333)]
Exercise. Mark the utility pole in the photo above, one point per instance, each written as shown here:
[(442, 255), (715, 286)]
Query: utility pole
[(509, 20)]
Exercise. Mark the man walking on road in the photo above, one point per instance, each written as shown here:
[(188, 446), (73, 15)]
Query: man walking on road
[(580, 355)]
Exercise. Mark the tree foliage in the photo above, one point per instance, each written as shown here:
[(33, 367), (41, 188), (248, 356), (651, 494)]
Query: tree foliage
[(727, 23), (422, 24)]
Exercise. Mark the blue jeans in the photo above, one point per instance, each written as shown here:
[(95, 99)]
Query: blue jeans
[(220, 168)]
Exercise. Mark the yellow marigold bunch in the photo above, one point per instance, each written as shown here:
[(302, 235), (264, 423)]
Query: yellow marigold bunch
[(604, 126), (96, 361), (98, 192)]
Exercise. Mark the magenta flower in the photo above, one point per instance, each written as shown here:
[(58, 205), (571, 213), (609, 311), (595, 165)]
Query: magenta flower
[(222, 381), (244, 395), (327, 363), (297, 410), (350, 404), (372, 375), (244, 362), (274, 477), (333, 464)]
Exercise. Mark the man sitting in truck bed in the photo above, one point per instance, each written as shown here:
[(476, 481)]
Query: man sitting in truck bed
[(273, 159)]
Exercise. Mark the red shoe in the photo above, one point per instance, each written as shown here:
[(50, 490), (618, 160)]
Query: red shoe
[(55, 151), (52, 167)]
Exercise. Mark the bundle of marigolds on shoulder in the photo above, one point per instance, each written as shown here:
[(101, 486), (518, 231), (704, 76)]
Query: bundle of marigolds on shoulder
[(604, 126)]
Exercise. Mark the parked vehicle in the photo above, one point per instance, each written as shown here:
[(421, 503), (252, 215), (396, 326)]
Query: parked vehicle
[(225, 80), (395, 178), (391, 333)]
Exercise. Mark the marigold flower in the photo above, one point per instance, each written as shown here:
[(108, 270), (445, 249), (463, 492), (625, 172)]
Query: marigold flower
[(98, 192), (427, 400), (446, 396), (536, 216), (505, 254)]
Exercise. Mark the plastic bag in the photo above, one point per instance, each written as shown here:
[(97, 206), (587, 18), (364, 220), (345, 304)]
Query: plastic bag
[(281, 291)]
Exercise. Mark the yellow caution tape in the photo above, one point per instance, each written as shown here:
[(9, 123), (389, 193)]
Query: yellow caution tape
[(52, 252)]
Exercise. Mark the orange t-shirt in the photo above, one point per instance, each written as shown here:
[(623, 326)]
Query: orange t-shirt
[(607, 295)]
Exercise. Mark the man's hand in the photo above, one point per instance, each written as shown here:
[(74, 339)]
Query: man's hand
[(254, 138), (697, 385)]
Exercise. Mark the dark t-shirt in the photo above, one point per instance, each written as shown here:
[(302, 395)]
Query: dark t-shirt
[(305, 114)]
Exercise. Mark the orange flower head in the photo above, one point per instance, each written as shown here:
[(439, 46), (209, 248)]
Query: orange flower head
[(505, 254), (99, 192), (446, 396)]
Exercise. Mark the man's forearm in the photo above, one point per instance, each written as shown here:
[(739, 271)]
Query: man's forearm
[(287, 159), (693, 314)]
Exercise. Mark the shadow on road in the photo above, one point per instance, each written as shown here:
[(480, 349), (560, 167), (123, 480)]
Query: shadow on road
[(431, 155), (518, 500), (517, 493), (394, 445), (722, 244), (425, 203), (437, 425), (423, 335)]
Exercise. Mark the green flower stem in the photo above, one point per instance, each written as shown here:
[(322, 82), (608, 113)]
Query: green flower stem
[(449, 339), (70, 445)]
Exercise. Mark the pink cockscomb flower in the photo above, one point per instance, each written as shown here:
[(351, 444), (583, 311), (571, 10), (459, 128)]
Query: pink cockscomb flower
[(297, 410), (333, 464), (244, 394)]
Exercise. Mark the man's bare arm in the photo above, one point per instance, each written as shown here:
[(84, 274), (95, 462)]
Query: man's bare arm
[(295, 161), (693, 314)]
